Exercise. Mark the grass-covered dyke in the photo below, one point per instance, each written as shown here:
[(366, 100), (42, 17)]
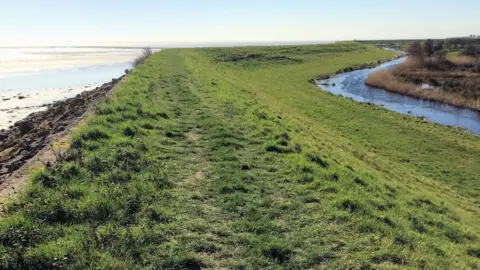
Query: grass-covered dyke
[(204, 160)]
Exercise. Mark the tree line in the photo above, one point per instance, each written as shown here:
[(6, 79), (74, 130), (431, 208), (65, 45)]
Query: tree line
[(462, 42), (469, 47), (432, 55)]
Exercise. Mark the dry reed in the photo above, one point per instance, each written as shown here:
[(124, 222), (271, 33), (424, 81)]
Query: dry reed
[(386, 80)]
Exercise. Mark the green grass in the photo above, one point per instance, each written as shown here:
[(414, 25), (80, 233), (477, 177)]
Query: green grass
[(453, 54), (229, 158)]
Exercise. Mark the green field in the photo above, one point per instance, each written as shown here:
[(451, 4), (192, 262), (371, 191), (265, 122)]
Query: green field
[(453, 54), (230, 158)]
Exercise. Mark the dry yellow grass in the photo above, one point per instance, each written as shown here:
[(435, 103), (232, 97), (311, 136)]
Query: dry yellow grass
[(462, 60), (386, 80)]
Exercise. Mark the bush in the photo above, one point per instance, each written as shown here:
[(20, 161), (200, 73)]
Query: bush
[(438, 61), (146, 53)]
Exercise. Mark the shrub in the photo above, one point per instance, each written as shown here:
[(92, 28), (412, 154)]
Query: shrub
[(146, 53), (438, 61)]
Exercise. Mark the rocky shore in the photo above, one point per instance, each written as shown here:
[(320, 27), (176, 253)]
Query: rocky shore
[(27, 137)]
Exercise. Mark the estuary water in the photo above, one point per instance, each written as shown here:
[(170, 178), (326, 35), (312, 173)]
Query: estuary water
[(34, 76)]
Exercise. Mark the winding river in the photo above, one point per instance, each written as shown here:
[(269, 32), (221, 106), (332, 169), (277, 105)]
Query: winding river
[(352, 85)]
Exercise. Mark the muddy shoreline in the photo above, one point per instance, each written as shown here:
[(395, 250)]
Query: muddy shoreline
[(26, 138)]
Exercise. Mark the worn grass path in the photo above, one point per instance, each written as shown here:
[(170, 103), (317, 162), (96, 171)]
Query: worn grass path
[(228, 158)]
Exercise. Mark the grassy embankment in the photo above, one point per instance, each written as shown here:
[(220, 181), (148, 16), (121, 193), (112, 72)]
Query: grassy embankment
[(228, 157)]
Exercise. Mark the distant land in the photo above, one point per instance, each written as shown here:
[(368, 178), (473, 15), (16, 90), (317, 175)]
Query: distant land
[(162, 45)]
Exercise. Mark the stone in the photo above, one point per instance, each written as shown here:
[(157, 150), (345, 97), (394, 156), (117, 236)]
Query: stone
[(25, 127), (32, 134), (59, 129), (4, 170)]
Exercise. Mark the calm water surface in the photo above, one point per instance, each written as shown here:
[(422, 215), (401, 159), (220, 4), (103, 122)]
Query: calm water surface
[(44, 75), (352, 85)]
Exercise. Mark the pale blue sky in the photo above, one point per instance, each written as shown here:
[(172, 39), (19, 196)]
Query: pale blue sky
[(107, 22)]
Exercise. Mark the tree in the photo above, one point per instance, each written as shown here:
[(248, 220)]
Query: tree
[(448, 44), (471, 50), (428, 47), (440, 56), (438, 46), (417, 53)]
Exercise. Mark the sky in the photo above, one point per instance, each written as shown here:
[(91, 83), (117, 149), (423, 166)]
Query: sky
[(176, 22)]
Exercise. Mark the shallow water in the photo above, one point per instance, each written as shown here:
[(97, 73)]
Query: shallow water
[(352, 85), (45, 75)]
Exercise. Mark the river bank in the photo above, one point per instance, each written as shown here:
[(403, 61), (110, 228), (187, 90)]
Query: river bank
[(352, 85), (457, 88), (29, 136), (367, 65)]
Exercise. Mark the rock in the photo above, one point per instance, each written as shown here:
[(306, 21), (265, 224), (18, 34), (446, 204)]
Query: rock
[(30, 135), (78, 114), (59, 129), (25, 127), (4, 170), (37, 145), (21, 97), (43, 134)]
